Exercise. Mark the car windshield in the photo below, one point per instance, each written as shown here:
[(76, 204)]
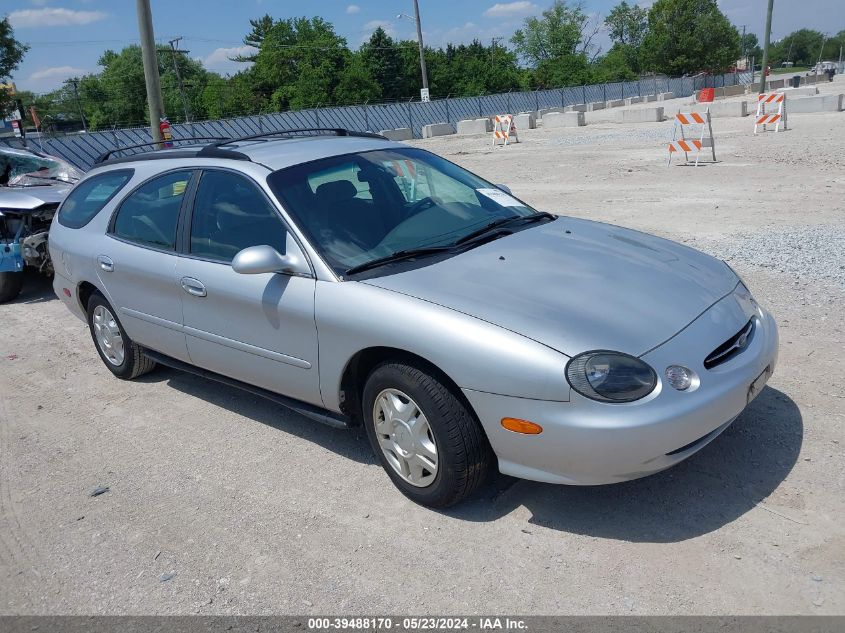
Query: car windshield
[(23, 168), (358, 208)]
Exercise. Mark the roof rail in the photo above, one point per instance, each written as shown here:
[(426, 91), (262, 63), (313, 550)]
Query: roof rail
[(210, 150), (107, 155)]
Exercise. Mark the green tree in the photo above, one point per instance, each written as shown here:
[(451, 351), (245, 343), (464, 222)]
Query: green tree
[(687, 36), (11, 54), (381, 57), (260, 27), (299, 63), (619, 64), (627, 24), (558, 32), (801, 47), (556, 45), (356, 83), (750, 47)]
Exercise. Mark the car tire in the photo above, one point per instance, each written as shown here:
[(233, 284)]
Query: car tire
[(10, 285), (123, 357), (462, 455)]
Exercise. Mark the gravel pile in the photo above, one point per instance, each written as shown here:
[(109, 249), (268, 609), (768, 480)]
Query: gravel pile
[(808, 254)]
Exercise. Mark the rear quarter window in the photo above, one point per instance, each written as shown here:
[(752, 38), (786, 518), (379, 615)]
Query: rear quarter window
[(90, 196)]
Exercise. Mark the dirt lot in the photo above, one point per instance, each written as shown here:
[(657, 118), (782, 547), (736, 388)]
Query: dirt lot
[(257, 510)]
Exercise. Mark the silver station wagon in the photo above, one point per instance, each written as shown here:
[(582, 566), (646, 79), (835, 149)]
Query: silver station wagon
[(361, 281)]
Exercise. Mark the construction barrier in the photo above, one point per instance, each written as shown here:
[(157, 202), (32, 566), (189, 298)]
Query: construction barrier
[(768, 101), (706, 95), (688, 145), (503, 129)]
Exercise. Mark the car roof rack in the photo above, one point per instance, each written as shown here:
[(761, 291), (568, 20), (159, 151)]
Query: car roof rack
[(210, 150), (108, 155), (217, 148)]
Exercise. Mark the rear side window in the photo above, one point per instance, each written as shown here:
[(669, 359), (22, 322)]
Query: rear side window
[(148, 216), (86, 200)]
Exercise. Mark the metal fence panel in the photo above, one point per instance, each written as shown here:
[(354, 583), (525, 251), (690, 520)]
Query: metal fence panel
[(83, 149)]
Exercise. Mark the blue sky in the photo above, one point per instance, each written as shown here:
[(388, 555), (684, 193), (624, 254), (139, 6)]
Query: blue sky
[(67, 36)]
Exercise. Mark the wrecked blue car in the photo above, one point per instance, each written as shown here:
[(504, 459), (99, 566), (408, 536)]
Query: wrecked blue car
[(31, 187)]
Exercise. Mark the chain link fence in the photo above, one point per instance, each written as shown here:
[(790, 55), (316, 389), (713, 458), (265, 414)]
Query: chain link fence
[(82, 149)]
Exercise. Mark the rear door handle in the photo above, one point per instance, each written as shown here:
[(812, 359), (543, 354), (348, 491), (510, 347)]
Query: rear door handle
[(193, 287), (105, 263)]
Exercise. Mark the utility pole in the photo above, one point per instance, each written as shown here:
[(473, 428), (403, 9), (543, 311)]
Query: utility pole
[(150, 57), (821, 50), (73, 82), (422, 50), (766, 47), (493, 41), (175, 50)]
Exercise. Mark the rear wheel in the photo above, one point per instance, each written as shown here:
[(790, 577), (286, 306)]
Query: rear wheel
[(119, 353), (430, 444), (10, 285)]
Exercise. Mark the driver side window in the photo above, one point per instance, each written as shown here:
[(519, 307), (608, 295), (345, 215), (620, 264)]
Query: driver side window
[(231, 214)]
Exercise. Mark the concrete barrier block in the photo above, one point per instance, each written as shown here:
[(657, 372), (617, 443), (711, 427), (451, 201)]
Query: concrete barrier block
[(564, 119), (436, 129), (633, 100), (733, 91), (525, 121), (399, 134), (614, 103), (809, 91), (663, 96), (475, 126), (649, 98), (640, 115), (544, 111), (821, 103), (578, 107), (723, 109), (777, 83), (598, 105)]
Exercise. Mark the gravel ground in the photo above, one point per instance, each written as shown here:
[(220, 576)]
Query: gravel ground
[(219, 502), (809, 254)]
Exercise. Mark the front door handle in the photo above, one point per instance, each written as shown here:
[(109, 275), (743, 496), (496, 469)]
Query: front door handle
[(193, 287), (105, 263)]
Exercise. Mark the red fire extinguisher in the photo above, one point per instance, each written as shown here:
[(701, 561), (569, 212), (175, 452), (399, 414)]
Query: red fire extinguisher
[(164, 127)]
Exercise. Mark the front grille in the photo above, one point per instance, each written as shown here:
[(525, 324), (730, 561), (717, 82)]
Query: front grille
[(730, 348)]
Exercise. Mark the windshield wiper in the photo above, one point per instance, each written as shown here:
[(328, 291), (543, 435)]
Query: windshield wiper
[(398, 256), (512, 221), (53, 178)]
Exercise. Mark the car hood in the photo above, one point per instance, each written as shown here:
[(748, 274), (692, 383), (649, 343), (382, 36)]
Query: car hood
[(575, 285), (30, 198)]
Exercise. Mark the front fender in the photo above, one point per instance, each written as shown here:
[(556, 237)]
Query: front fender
[(475, 354)]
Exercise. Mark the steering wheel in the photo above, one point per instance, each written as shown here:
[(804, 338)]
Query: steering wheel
[(420, 205)]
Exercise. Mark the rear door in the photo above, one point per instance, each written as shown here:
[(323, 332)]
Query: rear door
[(137, 265), (259, 329)]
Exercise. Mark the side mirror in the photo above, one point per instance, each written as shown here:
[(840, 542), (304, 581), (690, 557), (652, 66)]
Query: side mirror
[(505, 188), (266, 259)]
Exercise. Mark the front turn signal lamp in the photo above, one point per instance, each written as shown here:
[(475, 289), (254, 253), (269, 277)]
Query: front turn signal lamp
[(521, 426)]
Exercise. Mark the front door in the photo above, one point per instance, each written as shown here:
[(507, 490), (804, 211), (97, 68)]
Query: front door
[(137, 265), (259, 329)]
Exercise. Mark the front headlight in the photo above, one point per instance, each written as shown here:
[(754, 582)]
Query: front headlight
[(610, 376)]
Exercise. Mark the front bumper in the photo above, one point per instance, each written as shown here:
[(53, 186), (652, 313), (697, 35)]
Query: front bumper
[(585, 442)]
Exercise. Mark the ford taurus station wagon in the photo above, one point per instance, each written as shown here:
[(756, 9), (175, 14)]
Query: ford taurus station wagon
[(361, 281)]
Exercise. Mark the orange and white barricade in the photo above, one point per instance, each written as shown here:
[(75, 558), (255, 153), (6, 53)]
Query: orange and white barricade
[(771, 110), (682, 142), (504, 129)]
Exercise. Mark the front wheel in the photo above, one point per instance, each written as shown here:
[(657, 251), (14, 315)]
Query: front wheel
[(430, 444), (119, 353), (10, 285)]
